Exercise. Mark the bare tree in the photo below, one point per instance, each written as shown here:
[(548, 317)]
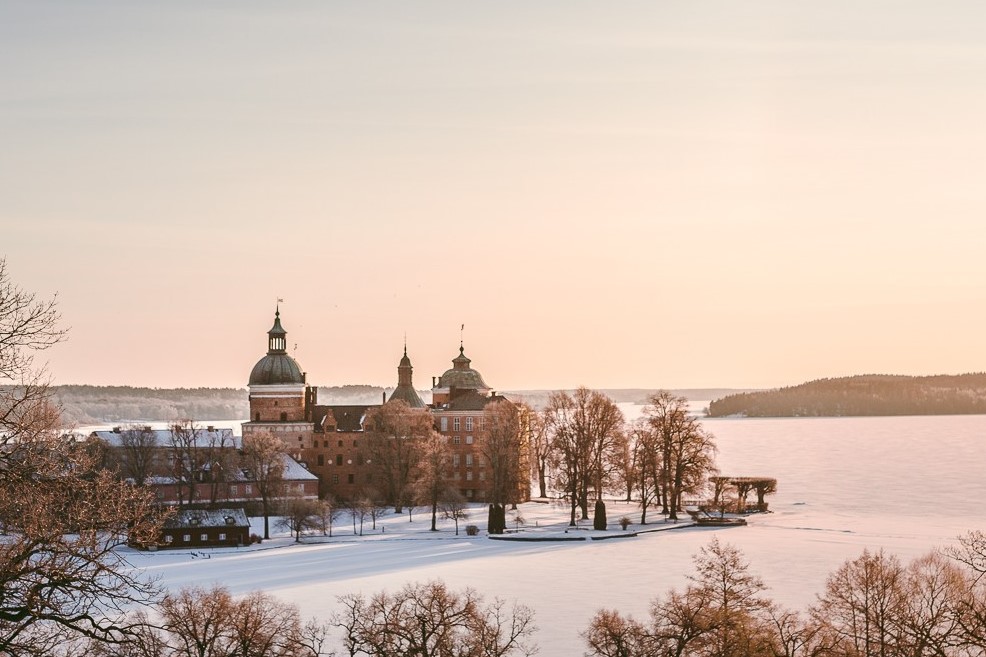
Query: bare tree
[(453, 506), (358, 506), (863, 604), (584, 428), (612, 635), (61, 575), (185, 459), (139, 453), (722, 613), (299, 516), (326, 512), (501, 447), (218, 461), (197, 622), (430, 482), (430, 620), (687, 450), (393, 446), (263, 459), (535, 428)]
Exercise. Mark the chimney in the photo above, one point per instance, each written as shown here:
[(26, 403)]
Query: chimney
[(210, 429), (384, 395), (433, 383)]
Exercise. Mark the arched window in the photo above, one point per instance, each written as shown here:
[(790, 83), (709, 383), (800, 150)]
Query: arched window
[(284, 416)]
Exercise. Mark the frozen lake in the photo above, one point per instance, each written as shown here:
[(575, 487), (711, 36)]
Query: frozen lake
[(906, 484)]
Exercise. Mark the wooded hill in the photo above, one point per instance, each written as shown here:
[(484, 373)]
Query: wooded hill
[(868, 394)]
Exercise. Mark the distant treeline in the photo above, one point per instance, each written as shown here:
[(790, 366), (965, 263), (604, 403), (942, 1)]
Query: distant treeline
[(101, 404), (83, 404), (869, 394)]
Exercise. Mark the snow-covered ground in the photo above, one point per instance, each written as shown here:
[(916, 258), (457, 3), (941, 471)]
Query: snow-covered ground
[(904, 484)]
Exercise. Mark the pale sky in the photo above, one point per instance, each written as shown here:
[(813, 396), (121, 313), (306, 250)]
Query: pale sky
[(618, 194)]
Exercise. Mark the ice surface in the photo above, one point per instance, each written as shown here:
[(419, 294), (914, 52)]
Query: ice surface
[(906, 484)]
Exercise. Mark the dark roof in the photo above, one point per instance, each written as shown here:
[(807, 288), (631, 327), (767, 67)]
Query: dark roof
[(345, 418), (407, 394), (204, 518), (468, 401), (275, 369)]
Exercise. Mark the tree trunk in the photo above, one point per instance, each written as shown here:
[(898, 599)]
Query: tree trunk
[(434, 516), (542, 480)]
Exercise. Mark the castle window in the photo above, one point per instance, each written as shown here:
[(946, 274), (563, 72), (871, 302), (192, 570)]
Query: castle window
[(482, 423), (349, 478), (468, 475), (325, 443), (186, 537), (275, 403), (203, 537), (338, 459), (444, 424), (455, 460), (222, 537), (321, 459), (359, 459), (248, 489), (482, 476), (335, 479), (468, 460), (455, 440), (233, 490), (468, 424), (340, 443), (469, 440), (455, 424), (256, 417), (284, 417)]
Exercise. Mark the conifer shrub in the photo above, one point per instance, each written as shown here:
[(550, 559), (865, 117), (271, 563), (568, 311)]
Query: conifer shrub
[(599, 517)]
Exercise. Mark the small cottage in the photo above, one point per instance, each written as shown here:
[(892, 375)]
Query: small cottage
[(215, 528)]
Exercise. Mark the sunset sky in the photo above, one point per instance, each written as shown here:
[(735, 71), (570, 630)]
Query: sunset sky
[(619, 194)]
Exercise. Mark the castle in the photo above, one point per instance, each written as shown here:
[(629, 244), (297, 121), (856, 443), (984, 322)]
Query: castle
[(327, 438)]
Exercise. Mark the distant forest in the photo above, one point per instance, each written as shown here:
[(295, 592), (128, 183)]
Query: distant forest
[(870, 394), (84, 405)]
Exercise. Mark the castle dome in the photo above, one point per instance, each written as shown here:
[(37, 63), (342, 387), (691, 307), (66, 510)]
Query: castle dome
[(462, 376), (277, 367)]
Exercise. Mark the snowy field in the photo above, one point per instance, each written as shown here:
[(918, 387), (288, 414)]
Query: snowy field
[(904, 484)]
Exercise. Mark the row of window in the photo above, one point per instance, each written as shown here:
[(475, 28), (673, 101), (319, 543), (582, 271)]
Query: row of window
[(457, 426), (187, 538), (320, 459)]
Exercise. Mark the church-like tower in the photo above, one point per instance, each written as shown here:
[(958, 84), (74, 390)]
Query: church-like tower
[(281, 401), (405, 388)]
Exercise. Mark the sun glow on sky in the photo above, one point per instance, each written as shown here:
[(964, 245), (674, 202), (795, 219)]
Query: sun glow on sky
[(635, 194)]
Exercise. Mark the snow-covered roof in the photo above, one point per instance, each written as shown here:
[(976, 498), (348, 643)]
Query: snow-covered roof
[(201, 438), (208, 518), (294, 471)]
